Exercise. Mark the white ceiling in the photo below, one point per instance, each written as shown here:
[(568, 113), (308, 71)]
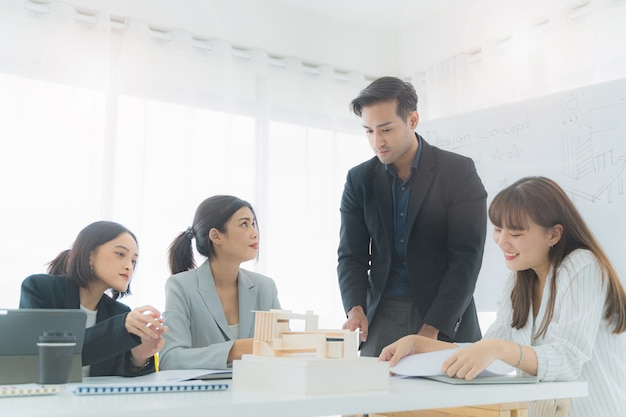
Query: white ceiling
[(389, 15), (399, 15)]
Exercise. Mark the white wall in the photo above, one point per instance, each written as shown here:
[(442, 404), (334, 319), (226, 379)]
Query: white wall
[(465, 26)]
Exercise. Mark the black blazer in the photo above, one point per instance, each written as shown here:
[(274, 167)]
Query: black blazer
[(447, 220), (107, 344)]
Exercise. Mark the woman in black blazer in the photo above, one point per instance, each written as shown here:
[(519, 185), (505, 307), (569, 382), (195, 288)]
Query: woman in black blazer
[(91, 277)]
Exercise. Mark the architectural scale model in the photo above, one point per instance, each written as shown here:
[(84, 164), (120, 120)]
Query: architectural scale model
[(272, 337), (308, 361)]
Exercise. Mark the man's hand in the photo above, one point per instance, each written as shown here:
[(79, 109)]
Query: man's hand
[(357, 320)]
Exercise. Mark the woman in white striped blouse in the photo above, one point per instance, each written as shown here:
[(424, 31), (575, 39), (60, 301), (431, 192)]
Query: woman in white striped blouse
[(562, 315)]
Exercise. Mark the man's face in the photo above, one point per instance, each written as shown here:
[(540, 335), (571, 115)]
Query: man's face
[(390, 137)]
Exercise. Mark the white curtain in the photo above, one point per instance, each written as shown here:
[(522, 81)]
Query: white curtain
[(108, 118)]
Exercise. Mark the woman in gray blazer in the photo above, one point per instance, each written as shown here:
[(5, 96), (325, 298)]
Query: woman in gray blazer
[(210, 309)]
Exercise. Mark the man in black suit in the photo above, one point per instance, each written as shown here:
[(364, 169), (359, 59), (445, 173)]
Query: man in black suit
[(413, 225)]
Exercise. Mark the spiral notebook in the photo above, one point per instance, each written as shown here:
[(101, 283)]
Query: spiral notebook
[(158, 382), (22, 390), (124, 388)]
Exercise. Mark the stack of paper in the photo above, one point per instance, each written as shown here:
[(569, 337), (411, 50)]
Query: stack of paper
[(428, 365)]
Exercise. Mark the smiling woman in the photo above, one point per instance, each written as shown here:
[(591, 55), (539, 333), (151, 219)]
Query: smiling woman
[(118, 341), (562, 314)]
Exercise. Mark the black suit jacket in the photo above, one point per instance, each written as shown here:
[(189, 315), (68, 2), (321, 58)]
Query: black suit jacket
[(447, 220), (107, 344)]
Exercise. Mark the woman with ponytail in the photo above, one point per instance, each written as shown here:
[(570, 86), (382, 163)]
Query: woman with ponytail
[(210, 308)]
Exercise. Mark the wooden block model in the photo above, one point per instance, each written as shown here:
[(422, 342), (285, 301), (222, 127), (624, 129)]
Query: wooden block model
[(307, 362), (272, 337)]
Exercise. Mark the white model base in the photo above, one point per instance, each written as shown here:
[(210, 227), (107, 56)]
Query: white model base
[(307, 375)]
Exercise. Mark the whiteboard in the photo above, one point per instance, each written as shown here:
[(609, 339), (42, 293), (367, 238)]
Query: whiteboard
[(577, 138)]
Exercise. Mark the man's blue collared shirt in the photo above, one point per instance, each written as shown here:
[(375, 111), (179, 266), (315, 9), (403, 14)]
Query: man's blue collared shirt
[(398, 282)]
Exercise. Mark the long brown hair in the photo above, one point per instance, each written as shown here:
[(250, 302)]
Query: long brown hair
[(545, 203)]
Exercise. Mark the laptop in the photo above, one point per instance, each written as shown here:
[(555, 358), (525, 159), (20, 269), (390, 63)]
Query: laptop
[(20, 329)]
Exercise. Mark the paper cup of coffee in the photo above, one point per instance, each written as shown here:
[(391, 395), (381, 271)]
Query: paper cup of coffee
[(56, 350)]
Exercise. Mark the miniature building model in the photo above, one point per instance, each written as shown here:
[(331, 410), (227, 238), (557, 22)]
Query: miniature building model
[(273, 337), (308, 362)]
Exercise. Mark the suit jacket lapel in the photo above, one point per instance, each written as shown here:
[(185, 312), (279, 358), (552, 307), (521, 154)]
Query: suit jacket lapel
[(384, 198), (421, 182), (208, 293), (247, 300)]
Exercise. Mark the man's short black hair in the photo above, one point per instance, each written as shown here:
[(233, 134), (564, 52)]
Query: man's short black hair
[(386, 89)]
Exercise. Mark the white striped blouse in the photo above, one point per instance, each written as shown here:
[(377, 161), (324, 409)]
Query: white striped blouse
[(578, 345)]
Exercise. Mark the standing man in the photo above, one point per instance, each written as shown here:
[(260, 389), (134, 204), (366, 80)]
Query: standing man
[(413, 224)]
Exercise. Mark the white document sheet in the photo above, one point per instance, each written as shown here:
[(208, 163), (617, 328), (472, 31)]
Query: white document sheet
[(429, 364)]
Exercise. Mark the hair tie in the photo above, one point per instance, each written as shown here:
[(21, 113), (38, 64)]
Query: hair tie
[(189, 232)]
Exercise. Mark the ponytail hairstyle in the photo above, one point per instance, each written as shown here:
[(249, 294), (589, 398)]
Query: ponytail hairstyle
[(212, 213), (58, 266), (545, 203), (75, 262)]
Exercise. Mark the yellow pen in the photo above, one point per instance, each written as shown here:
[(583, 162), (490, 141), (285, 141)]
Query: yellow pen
[(156, 362)]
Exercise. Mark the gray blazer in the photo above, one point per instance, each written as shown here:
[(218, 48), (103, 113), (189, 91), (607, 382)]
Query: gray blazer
[(199, 336)]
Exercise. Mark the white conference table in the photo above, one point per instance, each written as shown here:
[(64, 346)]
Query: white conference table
[(403, 395)]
